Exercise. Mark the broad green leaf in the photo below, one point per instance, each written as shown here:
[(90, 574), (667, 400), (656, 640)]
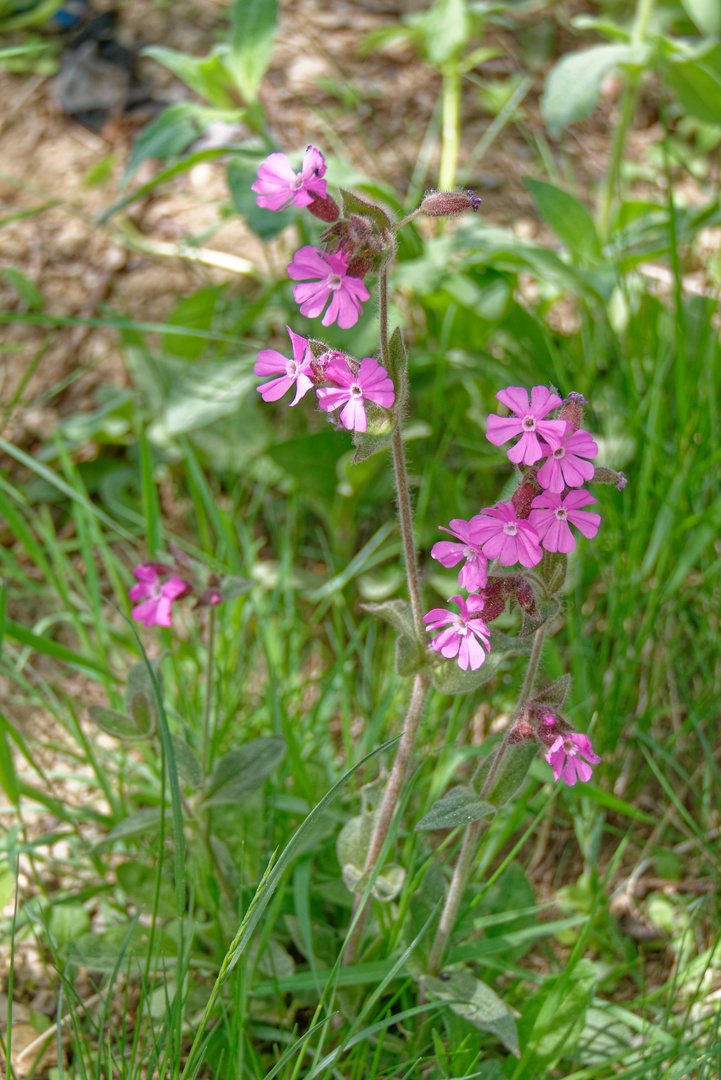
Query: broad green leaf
[(138, 679), (325, 942), (511, 772), (569, 218), (274, 963), (251, 44), (411, 655), (555, 1016), (424, 912), (556, 693), (207, 75), (512, 892), (312, 461), (694, 76), (354, 840), (116, 723), (121, 948), (460, 806), (381, 425), (203, 393), (243, 771), (67, 921), (354, 204), (142, 712), (706, 14), (165, 137), (398, 370), (552, 571), (573, 86), (196, 311), (445, 27), (141, 823), (476, 1002), (138, 881), (187, 763)]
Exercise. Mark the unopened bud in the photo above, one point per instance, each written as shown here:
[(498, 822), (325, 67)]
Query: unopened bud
[(526, 599), (449, 203), (359, 265), (602, 475), (572, 411), (521, 732), (547, 729), (523, 496), (326, 209), (494, 598)]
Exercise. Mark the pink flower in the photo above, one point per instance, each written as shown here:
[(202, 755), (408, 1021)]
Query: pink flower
[(551, 515), (505, 537), (372, 383), (465, 636), (474, 572), (565, 755), (298, 370), (345, 293), (156, 609), (565, 465), (278, 186), (527, 422)]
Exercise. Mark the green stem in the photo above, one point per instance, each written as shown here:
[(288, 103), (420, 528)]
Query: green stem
[(205, 753), (401, 766), (628, 106), (463, 867), (451, 126)]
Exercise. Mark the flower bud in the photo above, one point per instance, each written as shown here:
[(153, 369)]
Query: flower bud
[(526, 599), (602, 475), (449, 203), (523, 496), (494, 596), (522, 731), (572, 410), (326, 209)]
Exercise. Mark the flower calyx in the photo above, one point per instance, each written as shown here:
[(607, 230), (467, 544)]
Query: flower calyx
[(449, 203)]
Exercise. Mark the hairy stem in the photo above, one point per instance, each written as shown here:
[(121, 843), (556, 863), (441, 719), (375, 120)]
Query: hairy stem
[(464, 865), (208, 693), (392, 795)]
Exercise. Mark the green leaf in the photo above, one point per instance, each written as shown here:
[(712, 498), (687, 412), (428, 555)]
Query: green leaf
[(251, 44), (556, 693), (460, 806), (139, 881), (381, 425), (445, 27), (552, 571), (569, 219), (354, 840), (165, 137), (554, 1018), (138, 679), (266, 224), (512, 892), (694, 76), (424, 912), (354, 204), (186, 760), (207, 75), (476, 1002), (122, 948), (196, 312), (324, 941), (202, 394), (67, 921), (8, 774), (142, 712), (706, 14), (138, 824), (48, 647), (311, 460), (573, 85), (243, 771), (398, 370), (26, 289), (116, 723), (411, 654), (511, 772)]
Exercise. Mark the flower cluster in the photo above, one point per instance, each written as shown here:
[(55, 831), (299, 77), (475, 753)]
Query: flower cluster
[(557, 455), (160, 584), (339, 380)]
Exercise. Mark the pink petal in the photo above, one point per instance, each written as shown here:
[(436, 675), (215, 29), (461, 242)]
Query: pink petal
[(515, 398), (527, 449), (162, 616), (143, 588), (585, 772), (173, 588), (353, 416), (309, 262), (500, 429), (146, 612), (145, 573), (303, 384), (331, 397), (474, 575), (270, 362), (275, 389), (312, 298), (447, 553), (542, 401), (585, 522), (300, 346), (549, 475)]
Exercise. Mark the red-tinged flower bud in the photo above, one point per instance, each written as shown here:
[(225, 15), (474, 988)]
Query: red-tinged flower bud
[(526, 599), (449, 203), (359, 265), (494, 596), (521, 732), (326, 209), (602, 475), (572, 410), (523, 497)]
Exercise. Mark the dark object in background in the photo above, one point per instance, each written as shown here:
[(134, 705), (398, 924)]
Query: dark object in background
[(98, 77)]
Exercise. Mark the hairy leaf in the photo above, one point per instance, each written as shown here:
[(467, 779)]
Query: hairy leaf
[(460, 806), (243, 771), (476, 1002)]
